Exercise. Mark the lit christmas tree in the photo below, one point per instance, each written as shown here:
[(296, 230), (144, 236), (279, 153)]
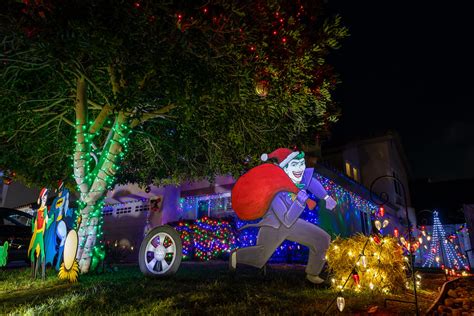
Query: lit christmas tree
[(442, 252)]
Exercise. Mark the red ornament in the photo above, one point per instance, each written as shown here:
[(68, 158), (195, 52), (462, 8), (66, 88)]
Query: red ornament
[(395, 232), (376, 239)]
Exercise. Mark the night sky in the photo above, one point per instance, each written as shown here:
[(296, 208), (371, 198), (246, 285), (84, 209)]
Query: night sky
[(408, 66)]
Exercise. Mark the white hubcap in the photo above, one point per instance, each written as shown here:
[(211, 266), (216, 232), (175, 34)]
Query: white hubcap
[(160, 253), (159, 264)]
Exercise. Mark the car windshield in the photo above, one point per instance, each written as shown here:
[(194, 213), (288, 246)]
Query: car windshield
[(17, 220)]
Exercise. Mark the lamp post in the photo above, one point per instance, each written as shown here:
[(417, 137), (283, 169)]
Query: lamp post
[(385, 195)]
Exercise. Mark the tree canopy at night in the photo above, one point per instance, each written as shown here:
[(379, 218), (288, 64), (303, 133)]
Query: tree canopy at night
[(150, 92)]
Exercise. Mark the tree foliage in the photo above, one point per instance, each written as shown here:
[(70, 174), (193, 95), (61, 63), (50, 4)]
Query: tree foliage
[(185, 72)]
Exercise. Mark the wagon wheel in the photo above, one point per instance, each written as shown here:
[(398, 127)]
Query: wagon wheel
[(160, 252)]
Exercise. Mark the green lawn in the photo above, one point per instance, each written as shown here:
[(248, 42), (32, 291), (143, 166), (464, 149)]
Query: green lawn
[(198, 288)]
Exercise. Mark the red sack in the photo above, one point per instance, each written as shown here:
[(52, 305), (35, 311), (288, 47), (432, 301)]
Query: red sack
[(253, 192)]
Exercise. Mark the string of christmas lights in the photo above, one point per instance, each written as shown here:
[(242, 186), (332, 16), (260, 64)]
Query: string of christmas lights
[(288, 251), (345, 197), (93, 181), (205, 239), (368, 263)]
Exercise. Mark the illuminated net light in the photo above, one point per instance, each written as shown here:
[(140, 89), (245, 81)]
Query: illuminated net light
[(384, 262), (443, 252), (205, 239)]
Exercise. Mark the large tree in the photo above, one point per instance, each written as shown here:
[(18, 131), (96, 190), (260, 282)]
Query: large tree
[(156, 92)]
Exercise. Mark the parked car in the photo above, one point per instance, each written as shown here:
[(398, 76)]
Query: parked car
[(15, 227)]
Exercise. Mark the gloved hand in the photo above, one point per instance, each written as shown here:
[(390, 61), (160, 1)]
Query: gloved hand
[(302, 196), (330, 203)]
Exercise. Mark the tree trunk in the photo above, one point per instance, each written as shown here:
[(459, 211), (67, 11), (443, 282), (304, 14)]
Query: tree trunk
[(87, 238), (98, 180)]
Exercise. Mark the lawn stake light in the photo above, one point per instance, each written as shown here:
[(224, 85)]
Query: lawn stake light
[(384, 198), (341, 302)]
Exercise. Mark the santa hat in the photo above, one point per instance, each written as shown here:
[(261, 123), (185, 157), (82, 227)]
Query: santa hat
[(44, 191), (60, 185), (282, 155)]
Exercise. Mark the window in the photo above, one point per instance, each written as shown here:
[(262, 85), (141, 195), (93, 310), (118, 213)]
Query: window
[(352, 172), (21, 219), (203, 209), (348, 169), (214, 205), (355, 172)]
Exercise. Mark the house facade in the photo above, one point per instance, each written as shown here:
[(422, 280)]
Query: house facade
[(365, 160), (132, 211)]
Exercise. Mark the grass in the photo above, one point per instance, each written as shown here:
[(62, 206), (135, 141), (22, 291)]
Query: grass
[(197, 288)]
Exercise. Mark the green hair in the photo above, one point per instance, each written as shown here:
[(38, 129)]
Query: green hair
[(298, 157)]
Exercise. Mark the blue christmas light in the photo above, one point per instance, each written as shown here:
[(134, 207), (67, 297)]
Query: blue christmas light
[(288, 250), (439, 243)]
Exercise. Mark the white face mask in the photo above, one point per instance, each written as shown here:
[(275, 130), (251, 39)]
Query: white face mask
[(295, 169), (44, 199)]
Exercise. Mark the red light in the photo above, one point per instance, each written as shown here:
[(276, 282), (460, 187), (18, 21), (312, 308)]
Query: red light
[(205, 10), (275, 32), (395, 232), (283, 39), (356, 278), (136, 4), (381, 211)]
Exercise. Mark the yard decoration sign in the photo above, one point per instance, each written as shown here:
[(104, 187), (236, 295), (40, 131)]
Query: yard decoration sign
[(69, 268), (4, 254), (254, 191), (279, 193), (41, 223), (60, 216)]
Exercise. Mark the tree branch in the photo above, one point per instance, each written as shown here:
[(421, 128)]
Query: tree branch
[(151, 115), (100, 119), (48, 122), (68, 121), (82, 150), (104, 170), (113, 80)]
